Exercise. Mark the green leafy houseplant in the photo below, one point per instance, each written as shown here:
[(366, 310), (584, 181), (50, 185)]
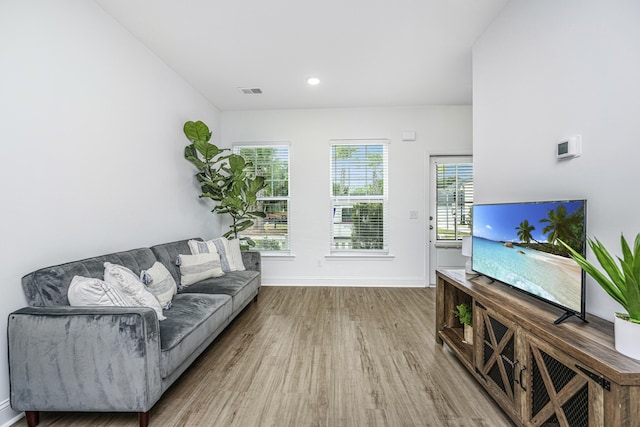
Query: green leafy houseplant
[(464, 313), (622, 282), (224, 178)]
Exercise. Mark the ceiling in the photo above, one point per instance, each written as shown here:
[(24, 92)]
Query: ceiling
[(367, 53)]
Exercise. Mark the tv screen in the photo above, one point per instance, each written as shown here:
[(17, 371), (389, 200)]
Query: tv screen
[(517, 244)]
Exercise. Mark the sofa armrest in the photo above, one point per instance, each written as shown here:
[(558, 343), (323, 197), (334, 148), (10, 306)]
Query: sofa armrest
[(252, 260), (67, 358)]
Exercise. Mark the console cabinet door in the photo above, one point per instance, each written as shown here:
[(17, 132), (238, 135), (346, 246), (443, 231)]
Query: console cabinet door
[(495, 359), (559, 390)]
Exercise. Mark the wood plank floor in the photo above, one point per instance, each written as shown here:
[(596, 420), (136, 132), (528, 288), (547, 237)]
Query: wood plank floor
[(319, 356)]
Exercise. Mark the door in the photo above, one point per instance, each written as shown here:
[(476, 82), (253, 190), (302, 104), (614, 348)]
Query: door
[(451, 200), (560, 391), (496, 358)]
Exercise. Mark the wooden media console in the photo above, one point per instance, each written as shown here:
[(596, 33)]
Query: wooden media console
[(539, 373)]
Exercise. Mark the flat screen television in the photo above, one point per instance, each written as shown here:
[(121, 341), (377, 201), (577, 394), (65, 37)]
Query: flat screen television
[(517, 244)]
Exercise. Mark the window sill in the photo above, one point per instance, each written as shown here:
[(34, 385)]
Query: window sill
[(284, 255), (449, 245), (360, 257)]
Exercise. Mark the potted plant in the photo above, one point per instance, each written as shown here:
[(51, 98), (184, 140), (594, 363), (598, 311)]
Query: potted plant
[(224, 178), (464, 313), (622, 283)]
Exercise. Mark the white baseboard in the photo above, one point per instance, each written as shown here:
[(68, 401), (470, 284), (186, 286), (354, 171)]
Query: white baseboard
[(7, 415), (362, 282)]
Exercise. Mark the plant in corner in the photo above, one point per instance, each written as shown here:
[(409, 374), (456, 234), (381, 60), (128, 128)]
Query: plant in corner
[(464, 313), (224, 178), (622, 283)]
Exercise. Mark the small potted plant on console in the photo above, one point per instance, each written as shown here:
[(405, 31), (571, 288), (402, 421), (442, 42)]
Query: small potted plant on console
[(622, 283), (464, 313)]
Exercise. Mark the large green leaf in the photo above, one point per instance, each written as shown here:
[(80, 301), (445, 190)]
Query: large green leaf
[(233, 202), (191, 155), (208, 150), (237, 163), (249, 243), (197, 131), (243, 225), (256, 184)]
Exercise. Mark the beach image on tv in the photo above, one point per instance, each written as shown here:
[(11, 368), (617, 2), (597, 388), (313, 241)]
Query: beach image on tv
[(518, 244)]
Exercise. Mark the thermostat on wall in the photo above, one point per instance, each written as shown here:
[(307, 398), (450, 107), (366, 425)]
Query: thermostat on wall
[(569, 148)]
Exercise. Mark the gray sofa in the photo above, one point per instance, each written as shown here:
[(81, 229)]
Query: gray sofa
[(115, 359)]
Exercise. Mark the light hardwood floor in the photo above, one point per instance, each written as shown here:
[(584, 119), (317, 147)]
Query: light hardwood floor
[(318, 356)]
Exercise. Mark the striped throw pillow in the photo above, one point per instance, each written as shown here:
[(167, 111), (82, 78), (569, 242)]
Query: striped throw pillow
[(195, 268), (160, 283)]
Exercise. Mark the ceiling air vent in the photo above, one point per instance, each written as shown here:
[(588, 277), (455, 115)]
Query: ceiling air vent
[(250, 90)]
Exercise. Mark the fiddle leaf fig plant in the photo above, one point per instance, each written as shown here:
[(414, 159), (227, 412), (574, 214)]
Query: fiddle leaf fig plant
[(225, 178), (622, 282)]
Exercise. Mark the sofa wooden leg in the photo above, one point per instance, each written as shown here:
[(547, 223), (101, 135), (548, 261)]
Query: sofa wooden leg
[(33, 418), (255, 299), (143, 418)]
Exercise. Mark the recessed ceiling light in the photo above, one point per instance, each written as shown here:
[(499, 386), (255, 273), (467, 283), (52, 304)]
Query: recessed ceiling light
[(313, 81)]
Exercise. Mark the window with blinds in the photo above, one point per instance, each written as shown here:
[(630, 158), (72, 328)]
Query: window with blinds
[(359, 187), (271, 161), (454, 200)]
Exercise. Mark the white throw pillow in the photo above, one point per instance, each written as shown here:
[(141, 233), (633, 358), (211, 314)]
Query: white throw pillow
[(195, 268), (230, 255), (201, 247), (234, 255), (160, 283), (89, 291), (127, 282)]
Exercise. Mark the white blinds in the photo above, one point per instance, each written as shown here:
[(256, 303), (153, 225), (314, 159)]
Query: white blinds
[(359, 188), (454, 200), (272, 162)]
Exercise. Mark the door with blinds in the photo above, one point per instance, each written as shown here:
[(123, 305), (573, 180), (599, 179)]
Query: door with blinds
[(450, 211)]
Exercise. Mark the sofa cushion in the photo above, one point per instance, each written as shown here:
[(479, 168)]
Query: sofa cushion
[(49, 286), (240, 285), (192, 319), (251, 260)]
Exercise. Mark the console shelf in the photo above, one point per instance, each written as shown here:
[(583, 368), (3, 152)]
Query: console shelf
[(453, 337), (539, 373)]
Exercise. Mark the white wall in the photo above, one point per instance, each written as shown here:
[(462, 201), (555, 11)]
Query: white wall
[(548, 69), (439, 130), (90, 146)]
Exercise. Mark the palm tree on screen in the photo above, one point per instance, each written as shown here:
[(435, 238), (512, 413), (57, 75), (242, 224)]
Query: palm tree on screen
[(524, 231), (559, 225)]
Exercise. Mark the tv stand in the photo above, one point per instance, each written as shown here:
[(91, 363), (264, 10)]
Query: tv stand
[(538, 372)]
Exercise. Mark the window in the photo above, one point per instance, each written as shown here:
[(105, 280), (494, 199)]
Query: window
[(454, 198), (359, 188), (271, 161)]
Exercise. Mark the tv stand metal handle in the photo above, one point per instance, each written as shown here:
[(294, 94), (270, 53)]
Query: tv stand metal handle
[(520, 380)]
